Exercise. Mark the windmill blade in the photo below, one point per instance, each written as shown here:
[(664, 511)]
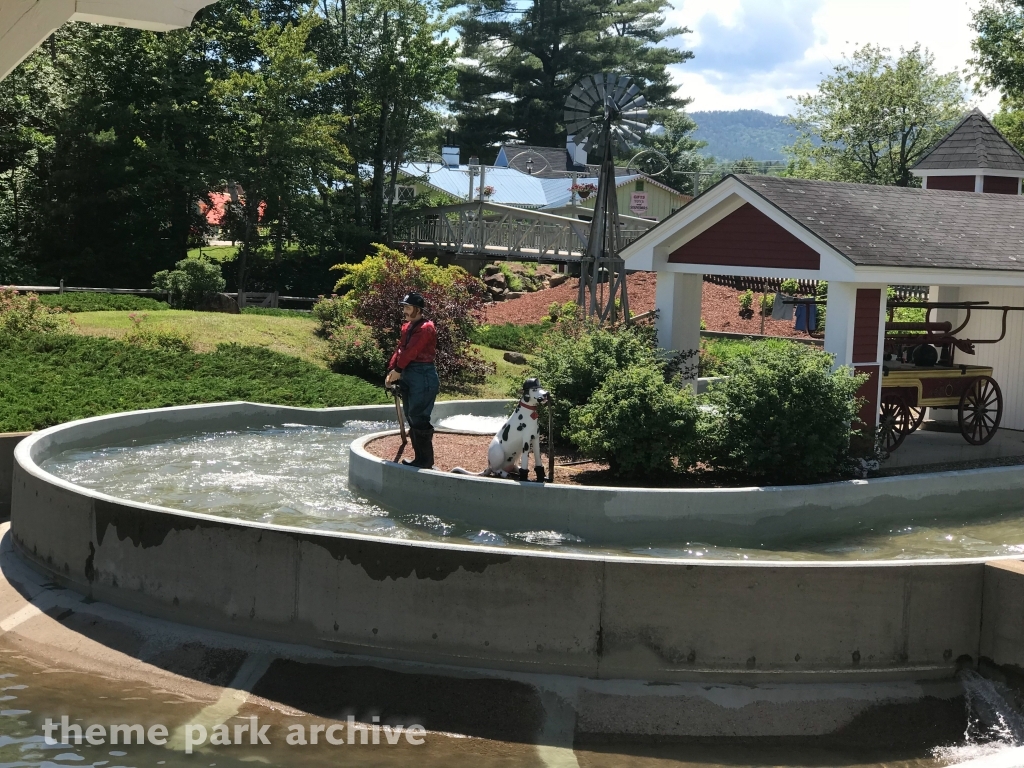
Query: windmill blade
[(625, 133), (599, 84), (620, 90), (590, 89), (579, 106), (634, 125), (579, 93), (639, 115)]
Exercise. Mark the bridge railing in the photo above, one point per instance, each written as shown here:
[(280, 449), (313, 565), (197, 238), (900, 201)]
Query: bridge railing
[(502, 230)]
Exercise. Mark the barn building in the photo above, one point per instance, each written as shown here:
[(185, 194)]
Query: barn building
[(966, 242)]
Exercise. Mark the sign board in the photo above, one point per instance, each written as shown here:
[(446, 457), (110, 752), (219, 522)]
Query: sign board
[(638, 203)]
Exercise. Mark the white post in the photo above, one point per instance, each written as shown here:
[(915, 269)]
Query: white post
[(979, 183), (842, 306), (678, 301)]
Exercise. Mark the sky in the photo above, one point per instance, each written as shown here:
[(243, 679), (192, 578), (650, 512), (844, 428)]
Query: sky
[(754, 54)]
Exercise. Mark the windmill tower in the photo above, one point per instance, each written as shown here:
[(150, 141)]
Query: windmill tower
[(605, 112)]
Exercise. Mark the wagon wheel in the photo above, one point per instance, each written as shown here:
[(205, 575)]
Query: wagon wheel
[(894, 422), (916, 416), (981, 409)]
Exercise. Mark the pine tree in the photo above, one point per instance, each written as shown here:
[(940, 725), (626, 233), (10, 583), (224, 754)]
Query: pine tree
[(525, 60)]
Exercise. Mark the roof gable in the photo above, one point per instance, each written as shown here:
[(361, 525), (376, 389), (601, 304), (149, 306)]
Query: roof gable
[(973, 144)]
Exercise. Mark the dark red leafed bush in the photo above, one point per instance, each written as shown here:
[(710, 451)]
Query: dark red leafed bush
[(453, 297)]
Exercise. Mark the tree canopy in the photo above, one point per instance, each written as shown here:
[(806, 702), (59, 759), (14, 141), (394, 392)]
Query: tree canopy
[(875, 116), (522, 60), (999, 61)]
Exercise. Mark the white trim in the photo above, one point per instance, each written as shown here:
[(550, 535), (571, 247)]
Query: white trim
[(967, 172)]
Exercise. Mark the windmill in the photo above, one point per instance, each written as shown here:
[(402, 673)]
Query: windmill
[(605, 112)]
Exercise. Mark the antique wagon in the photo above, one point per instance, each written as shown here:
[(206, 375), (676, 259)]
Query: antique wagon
[(920, 372)]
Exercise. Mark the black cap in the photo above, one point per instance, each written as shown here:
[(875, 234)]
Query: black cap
[(413, 299)]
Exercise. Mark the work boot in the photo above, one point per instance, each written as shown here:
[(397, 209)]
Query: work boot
[(423, 445), (425, 450), (539, 469), (524, 475)]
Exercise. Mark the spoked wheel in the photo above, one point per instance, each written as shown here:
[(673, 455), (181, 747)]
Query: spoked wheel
[(916, 416), (981, 409), (894, 422)]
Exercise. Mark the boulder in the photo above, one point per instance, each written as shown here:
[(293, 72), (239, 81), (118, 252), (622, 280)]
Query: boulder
[(496, 280), (513, 295), (557, 279), (516, 358), (490, 269), (220, 302)]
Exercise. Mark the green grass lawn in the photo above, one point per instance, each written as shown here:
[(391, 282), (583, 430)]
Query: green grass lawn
[(218, 253), (506, 379), (53, 378), (289, 335)]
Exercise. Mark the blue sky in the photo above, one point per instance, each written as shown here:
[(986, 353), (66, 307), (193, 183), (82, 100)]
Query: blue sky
[(753, 54)]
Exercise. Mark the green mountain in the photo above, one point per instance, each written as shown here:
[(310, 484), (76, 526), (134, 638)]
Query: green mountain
[(743, 133)]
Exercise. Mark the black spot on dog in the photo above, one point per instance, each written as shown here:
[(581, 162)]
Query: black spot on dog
[(504, 432), (526, 447), (520, 417), (520, 428)]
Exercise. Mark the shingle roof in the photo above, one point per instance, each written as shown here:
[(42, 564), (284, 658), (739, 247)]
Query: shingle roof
[(902, 226), (973, 143)]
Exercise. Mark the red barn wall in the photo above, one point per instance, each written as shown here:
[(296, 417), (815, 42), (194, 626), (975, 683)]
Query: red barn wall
[(952, 183), (747, 238), (1000, 185)]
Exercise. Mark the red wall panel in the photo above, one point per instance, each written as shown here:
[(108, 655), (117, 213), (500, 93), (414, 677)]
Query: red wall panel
[(952, 183), (1000, 185), (869, 391), (747, 238), (865, 325)]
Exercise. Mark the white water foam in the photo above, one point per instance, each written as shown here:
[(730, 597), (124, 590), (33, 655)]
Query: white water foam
[(995, 730), (477, 425)]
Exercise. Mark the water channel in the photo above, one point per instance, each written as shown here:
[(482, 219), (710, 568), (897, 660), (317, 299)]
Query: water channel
[(297, 475)]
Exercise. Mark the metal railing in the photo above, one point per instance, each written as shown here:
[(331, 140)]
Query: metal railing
[(493, 229)]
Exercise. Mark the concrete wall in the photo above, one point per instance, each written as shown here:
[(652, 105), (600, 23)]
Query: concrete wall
[(601, 617), (8, 440), (728, 516)]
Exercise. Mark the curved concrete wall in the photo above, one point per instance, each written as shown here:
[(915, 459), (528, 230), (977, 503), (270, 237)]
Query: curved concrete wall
[(601, 617), (728, 516)]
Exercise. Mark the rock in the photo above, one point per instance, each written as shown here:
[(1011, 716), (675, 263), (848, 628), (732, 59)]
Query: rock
[(495, 280), (220, 302), (490, 269), (557, 279), (513, 295), (516, 358)]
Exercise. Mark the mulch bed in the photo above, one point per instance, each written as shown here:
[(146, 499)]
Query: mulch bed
[(455, 449), (720, 307)]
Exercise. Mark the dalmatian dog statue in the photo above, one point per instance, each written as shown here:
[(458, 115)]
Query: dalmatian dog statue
[(516, 438)]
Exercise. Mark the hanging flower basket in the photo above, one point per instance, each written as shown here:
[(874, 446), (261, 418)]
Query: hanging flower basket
[(486, 191), (583, 190)]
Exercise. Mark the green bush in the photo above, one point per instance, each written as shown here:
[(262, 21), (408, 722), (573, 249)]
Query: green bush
[(512, 280), (789, 286), (46, 379), (782, 415), (101, 302), (639, 422), (767, 303), (746, 300), (718, 354), (353, 349), (511, 337), (331, 313), (191, 282), (24, 313), (577, 358)]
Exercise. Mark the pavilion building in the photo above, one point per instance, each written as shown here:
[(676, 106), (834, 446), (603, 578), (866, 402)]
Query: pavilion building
[(862, 238)]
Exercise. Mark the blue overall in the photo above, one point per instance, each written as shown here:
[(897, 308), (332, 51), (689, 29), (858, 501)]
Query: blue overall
[(419, 385)]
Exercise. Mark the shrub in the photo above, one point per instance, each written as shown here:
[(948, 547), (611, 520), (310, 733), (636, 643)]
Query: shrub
[(47, 379), (558, 311), (578, 357), (191, 282), (639, 422), (353, 349), (511, 337), (452, 295), (512, 279), (330, 313), (101, 302), (27, 314), (767, 303), (746, 300), (782, 415), (147, 338), (789, 286)]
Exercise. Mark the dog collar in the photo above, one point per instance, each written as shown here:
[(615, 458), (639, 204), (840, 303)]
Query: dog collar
[(527, 407)]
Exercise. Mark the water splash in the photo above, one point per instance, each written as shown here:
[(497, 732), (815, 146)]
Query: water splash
[(994, 736)]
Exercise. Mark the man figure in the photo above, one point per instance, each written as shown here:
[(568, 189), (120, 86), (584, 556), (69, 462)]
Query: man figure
[(412, 368)]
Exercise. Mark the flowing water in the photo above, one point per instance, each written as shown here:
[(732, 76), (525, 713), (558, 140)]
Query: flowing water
[(297, 475)]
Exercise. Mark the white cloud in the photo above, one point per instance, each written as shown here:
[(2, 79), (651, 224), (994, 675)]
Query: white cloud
[(753, 54)]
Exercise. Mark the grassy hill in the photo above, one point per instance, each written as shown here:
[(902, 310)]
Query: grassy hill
[(743, 133)]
